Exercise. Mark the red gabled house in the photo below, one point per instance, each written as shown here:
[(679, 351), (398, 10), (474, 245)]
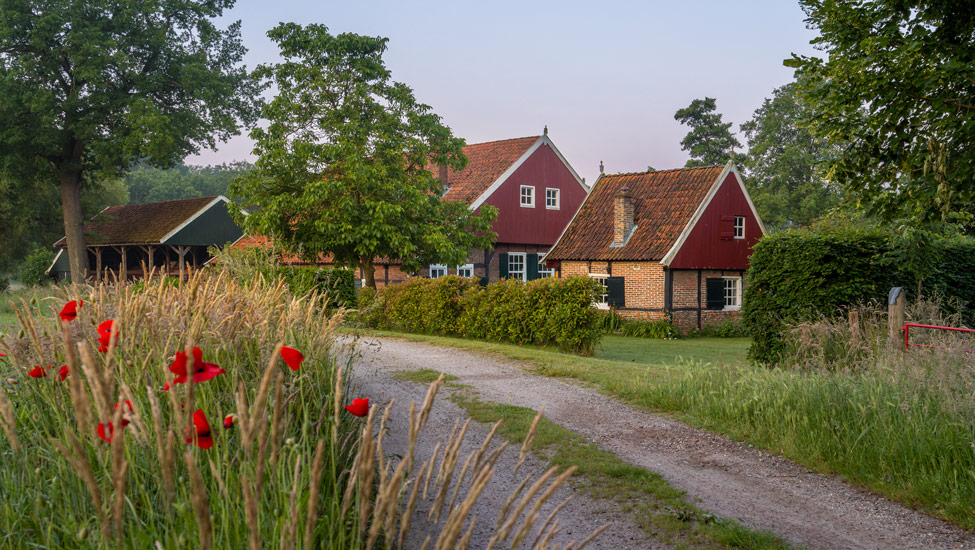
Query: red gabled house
[(536, 192), (669, 243)]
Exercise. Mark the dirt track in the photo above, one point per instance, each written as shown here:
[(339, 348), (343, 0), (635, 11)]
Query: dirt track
[(722, 476)]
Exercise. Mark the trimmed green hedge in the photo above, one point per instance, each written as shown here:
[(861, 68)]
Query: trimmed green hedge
[(797, 275), (337, 284), (546, 312)]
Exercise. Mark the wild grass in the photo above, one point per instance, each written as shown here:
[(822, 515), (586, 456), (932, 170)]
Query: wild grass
[(295, 471), (901, 424)]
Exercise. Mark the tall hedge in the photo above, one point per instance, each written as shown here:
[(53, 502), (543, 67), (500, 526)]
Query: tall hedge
[(547, 312), (800, 274)]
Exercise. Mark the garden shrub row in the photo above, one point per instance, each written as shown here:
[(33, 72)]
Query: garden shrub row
[(801, 274), (545, 312)]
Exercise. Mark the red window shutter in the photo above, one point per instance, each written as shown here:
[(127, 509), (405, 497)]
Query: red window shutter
[(727, 228)]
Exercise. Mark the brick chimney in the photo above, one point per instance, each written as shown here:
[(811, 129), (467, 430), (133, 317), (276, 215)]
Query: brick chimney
[(622, 216), (443, 175)]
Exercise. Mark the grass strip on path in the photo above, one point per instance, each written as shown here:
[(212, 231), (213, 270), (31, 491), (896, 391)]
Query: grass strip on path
[(660, 510)]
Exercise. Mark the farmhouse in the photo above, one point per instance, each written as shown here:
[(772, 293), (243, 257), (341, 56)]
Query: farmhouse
[(168, 236), (670, 243)]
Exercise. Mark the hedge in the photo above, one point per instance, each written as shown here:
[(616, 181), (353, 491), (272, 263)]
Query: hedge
[(545, 312), (335, 283), (800, 274)]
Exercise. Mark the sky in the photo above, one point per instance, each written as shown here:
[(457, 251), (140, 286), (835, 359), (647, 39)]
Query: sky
[(605, 77)]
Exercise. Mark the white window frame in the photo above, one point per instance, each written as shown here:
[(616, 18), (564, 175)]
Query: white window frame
[(440, 269), (556, 199), (739, 227), (544, 271), (524, 265), (601, 300), (466, 267), (530, 196), (732, 293)]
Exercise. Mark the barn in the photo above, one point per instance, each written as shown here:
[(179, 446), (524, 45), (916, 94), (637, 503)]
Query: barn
[(169, 236), (666, 244)]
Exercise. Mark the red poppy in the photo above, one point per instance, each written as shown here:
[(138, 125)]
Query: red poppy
[(229, 421), (201, 371), (63, 373), (166, 386), (359, 407), (202, 437), (292, 357), (37, 372), (125, 421), (105, 334), (70, 310), (102, 431)]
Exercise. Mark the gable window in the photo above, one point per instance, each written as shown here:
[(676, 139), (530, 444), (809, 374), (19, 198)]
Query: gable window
[(516, 265), (739, 227), (437, 271), (466, 270), (528, 196), (551, 198)]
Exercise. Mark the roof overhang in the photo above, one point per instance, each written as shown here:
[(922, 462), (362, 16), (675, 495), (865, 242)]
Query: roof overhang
[(729, 168)]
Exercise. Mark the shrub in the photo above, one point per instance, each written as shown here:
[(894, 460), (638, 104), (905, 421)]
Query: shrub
[(730, 328), (661, 329), (545, 312), (32, 269), (799, 275)]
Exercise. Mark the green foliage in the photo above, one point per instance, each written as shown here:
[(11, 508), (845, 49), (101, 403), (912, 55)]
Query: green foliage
[(544, 312), (895, 86), (344, 165), (783, 167), (32, 268), (660, 329), (710, 141), (730, 328), (801, 274), (147, 183)]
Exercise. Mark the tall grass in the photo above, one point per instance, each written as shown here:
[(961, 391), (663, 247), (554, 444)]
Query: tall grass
[(295, 471)]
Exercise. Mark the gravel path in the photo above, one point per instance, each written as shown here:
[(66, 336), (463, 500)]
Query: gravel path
[(727, 478)]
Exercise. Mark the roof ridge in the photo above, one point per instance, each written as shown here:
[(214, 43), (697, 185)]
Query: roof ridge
[(500, 140), (686, 168)]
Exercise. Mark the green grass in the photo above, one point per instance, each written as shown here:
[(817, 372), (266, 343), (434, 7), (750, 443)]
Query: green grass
[(660, 510), (8, 319), (891, 433)]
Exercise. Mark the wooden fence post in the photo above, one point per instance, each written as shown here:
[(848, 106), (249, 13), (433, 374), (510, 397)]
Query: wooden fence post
[(895, 316)]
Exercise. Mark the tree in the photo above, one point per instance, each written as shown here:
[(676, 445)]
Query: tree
[(783, 164), (89, 86), (897, 90), (342, 167), (148, 183), (710, 141)]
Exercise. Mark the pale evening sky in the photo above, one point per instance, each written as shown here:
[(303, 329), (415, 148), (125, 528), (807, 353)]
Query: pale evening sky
[(605, 77)]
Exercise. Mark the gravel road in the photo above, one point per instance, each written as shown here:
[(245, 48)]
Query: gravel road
[(727, 478)]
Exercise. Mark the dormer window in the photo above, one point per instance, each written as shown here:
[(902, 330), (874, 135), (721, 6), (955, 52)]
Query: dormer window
[(739, 227), (528, 196)]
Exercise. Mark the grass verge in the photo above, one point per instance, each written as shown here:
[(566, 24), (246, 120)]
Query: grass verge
[(660, 510)]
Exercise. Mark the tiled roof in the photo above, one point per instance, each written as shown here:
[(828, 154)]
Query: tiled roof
[(664, 202), (139, 223), (485, 164)]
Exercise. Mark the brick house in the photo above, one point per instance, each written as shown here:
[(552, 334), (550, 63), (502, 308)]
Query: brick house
[(669, 243)]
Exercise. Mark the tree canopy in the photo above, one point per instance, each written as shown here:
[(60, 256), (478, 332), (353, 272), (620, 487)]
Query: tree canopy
[(783, 167), (90, 86), (148, 183), (896, 87), (710, 141), (344, 166)]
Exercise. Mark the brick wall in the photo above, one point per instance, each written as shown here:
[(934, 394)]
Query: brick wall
[(687, 293), (487, 262)]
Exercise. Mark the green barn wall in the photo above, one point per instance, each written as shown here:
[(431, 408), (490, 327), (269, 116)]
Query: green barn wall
[(214, 227)]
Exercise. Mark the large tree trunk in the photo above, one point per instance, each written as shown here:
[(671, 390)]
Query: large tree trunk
[(74, 228), (368, 272)]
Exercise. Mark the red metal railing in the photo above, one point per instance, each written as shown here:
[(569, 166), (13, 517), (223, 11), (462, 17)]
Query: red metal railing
[(907, 334)]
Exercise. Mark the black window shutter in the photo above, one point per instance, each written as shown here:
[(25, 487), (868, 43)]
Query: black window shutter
[(483, 281), (615, 292), (715, 296), (503, 265), (532, 267)]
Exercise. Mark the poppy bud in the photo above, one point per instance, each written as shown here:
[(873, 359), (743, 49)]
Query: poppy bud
[(83, 533), (20, 334), (289, 442), (37, 471)]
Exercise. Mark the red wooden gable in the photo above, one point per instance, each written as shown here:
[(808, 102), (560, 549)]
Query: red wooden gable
[(543, 169), (710, 244)]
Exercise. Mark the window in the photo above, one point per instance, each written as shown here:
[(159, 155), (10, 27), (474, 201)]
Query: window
[(732, 292), (602, 297), (739, 227), (551, 198), (544, 271), (528, 196), (466, 270), (516, 265), (437, 270)]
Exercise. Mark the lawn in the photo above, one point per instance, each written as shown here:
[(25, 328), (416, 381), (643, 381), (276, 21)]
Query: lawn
[(646, 351)]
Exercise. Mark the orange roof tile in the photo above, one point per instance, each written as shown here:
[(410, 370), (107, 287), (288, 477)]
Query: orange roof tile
[(485, 164), (139, 223), (664, 202)]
